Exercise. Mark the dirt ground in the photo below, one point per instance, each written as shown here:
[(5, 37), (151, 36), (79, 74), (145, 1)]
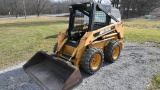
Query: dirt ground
[(133, 71)]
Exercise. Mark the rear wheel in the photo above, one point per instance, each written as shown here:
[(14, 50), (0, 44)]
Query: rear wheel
[(112, 51), (92, 60)]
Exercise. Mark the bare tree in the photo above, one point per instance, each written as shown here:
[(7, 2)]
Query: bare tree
[(128, 8), (39, 6), (115, 3), (24, 7), (99, 1), (16, 8)]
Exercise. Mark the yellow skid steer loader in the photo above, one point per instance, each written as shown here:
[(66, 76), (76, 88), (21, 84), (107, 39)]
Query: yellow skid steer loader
[(90, 38)]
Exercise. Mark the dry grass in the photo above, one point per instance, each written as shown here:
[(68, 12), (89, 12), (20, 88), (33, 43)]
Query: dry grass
[(20, 39), (142, 31)]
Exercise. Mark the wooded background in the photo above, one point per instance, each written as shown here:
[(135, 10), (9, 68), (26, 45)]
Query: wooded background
[(128, 8)]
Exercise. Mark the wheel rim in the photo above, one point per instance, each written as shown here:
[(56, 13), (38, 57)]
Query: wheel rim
[(96, 61), (116, 52)]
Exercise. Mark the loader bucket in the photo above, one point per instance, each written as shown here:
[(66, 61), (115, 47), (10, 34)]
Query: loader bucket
[(52, 73)]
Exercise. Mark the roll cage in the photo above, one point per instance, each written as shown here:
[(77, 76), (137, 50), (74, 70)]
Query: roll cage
[(89, 10)]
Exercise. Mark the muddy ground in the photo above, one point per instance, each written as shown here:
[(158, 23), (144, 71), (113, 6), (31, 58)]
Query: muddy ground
[(133, 71)]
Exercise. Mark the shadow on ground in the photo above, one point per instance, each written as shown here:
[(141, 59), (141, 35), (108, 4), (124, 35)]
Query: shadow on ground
[(52, 36)]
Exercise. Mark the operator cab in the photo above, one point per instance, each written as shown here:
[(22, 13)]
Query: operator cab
[(86, 17)]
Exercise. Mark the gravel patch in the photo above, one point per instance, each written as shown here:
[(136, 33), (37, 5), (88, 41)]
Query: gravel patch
[(133, 71)]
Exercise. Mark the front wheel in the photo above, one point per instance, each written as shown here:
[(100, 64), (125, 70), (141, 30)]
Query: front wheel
[(92, 60)]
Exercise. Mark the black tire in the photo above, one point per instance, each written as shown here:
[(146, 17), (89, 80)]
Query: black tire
[(55, 47), (87, 60), (109, 51)]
